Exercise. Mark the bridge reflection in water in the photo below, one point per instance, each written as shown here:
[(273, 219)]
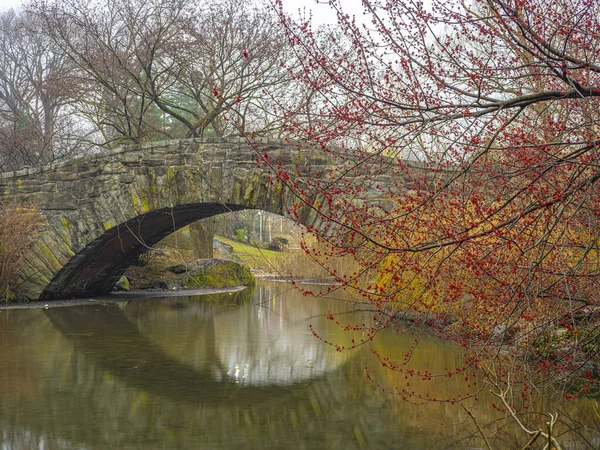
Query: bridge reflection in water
[(226, 371)]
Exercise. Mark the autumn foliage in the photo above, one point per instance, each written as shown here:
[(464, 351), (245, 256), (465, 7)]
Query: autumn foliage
[(467, 141)]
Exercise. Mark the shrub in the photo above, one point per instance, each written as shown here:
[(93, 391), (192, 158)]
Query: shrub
[(241, 234), (278, 244)]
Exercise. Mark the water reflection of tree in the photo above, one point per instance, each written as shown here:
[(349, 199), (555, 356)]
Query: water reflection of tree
[(95, 402), (577, 419), (19, 354), (272, 343)]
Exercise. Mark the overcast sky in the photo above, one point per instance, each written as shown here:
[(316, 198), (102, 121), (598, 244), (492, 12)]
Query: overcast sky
[(7, 4), (321, 12)]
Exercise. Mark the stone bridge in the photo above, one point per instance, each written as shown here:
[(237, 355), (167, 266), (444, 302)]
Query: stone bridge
[(103, 210)]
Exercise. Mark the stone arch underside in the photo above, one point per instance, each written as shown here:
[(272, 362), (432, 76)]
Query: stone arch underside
[(96, 269)]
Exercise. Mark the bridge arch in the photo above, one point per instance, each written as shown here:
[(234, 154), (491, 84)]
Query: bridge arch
[(102, 211)]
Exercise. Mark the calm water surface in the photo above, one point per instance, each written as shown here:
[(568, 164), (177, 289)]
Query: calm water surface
[(228, 371)]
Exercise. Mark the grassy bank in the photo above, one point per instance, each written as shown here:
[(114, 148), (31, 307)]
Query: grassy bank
[(262, 261), (284, 263)]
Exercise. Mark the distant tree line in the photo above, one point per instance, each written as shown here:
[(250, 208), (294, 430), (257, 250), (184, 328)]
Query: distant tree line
[(77, 75)]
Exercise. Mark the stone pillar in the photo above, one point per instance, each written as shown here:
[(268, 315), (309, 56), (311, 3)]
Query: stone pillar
[(202, 233)]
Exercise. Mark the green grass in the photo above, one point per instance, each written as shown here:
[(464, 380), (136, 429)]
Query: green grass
[(256, 258), (283, 263)]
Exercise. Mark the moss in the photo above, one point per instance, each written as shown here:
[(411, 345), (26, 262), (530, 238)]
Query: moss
[(50, 259), (65, 237), (318, 202), (277, 188), (236, 193), (170, 174), (297, 159), (123, 284), (140, 203), (70, 252), (145, 202), (152, 182), (252, 188), (220, 273), (136, 203)]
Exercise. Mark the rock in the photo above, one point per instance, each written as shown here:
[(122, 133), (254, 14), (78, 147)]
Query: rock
[(123, 284), (157, 283), (218, 273), (222, 246), (180, 268), (203, 273), (503, 333), (498, 331)]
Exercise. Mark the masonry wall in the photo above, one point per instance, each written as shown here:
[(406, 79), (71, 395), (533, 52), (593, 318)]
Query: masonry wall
[(103, 210)]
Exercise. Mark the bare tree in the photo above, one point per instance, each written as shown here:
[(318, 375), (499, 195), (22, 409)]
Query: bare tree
[(34, 95), (103, 40), (168, 68), (233, 58)]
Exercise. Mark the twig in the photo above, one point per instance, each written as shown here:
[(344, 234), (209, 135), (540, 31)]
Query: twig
[(553, 418), (532, 440), (477, 425)]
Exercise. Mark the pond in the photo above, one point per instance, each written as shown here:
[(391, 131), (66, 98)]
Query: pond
[(236, 370)]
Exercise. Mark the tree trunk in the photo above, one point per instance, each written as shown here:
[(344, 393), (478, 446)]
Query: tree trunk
[(202, 233)]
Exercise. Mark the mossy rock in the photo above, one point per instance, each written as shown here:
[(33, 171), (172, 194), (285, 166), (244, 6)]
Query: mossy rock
[(123, 284), (218, 273)]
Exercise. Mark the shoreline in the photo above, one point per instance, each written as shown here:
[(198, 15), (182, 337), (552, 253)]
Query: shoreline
[(150, 294), (118, 297), (276, 278)]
